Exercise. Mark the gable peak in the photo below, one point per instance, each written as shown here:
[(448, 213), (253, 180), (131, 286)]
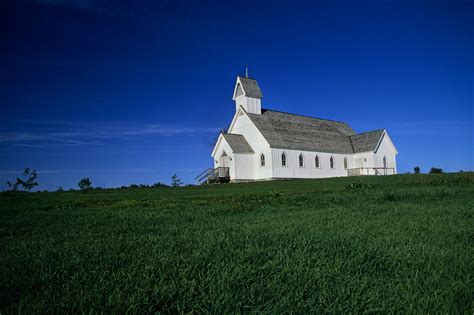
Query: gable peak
[(247, 87)]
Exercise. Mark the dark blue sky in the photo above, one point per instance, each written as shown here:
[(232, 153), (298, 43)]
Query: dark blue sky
[(133, 91)]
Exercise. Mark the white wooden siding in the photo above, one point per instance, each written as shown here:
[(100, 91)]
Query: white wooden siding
[(385, 149), (250, 104), (244, 126), (309, 170)]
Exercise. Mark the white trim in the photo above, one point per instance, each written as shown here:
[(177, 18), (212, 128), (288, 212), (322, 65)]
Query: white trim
[(385, 133), (218, 142), (234, 119), (241, 109), (237, 82)]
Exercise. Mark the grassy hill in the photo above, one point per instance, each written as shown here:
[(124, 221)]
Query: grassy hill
[(374, 244)]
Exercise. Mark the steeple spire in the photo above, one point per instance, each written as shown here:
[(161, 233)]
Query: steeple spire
[(247, 72)]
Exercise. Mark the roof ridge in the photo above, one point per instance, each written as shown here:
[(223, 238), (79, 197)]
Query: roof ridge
[(361, 133), (242, 77), (282, 112)]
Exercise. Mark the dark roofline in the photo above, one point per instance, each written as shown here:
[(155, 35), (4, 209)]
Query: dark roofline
[(362, 133), (246, 78), (282, 112), (352, 145)]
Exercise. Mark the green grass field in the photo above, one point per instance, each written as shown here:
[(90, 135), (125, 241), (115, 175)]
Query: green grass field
[(375, 244)]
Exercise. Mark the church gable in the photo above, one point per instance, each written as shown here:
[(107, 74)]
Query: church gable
[(239, 91), (248, 88), (385, 144), (242, 124), (233, 143)]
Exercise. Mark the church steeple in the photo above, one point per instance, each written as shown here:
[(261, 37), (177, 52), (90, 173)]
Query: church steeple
[(247, 94)]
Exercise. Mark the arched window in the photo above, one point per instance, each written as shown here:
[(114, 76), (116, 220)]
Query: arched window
[(316, 161), (262, 160), (283, 159), (384, 162), (331, 162), (345, 163), (301, 160)]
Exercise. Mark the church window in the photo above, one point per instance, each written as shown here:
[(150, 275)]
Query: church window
[(316, 161), (283, 159), (331, 162), (301, 160), (262, 160)]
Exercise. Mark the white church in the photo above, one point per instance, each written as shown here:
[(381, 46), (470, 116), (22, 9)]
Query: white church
[(263, 144)]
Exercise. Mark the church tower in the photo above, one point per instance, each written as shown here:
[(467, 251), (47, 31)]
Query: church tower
[(247, 94)]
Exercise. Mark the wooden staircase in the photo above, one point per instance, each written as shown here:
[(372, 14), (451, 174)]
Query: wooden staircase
[(214, 176)]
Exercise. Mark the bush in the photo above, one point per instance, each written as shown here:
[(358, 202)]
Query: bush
[(358, 185), (435, 170), (417, 170), (85, 184)]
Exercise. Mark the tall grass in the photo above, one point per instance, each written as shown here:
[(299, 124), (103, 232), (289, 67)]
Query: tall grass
[(374, 244)]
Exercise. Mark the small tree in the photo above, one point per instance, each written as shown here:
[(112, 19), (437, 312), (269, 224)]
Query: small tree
[(435, 170), (85, 184), (28, 183), (175, 181), (417, 170)]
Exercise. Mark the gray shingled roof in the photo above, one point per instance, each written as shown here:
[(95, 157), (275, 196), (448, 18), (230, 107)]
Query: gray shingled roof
[(251, 87), (237, 143), (366, 141), (295, 132)]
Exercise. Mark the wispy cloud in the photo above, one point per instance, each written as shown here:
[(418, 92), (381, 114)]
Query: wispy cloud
[(53, 133)]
